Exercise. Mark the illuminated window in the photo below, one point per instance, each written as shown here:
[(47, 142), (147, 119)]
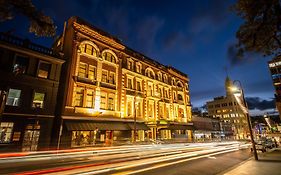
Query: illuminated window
[(104, 76), (82, 72), (167, 111), (112, 78), (109, 57), (111, 102), (6, 129), (44, 69), (138, 86), (79, 95), (150, 109), (129, 64), (88, 49), (159, 76), (129, 108), (13, 97), (180, 97), (130, 83), (138, 67), (166, 93), (90, 98), (150, 90), (165, 78), (103, 100), (92, 72), (38, 100), (20, 65)]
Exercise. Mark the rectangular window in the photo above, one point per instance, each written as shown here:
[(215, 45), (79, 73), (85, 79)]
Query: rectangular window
[(21, 64), (6, 129), (82, 72), (89, 49), (130, 83), (38, 100), (129, 108), (13, 97), (111, 102), (104, 76), (103, 100), (92, 72), (44, 70), (111, 78), (90, 98), (138, 86), (79, 96), (129, 65), (138, 67)]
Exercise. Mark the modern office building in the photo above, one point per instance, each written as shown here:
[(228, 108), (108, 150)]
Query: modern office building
[(28, 89), (108, 91), (275, 70), (230, 113)]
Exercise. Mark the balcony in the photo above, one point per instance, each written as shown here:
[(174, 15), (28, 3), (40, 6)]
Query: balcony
[(108, 85), (85, 80)]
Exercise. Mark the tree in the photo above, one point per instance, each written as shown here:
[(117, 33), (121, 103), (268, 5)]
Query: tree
[(40, 24), (261, 30)]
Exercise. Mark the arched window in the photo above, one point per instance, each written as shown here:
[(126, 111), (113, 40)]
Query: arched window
[(88, 49), (109, 57), (179, 84), (159, 76), (149, 72), (180, 97)]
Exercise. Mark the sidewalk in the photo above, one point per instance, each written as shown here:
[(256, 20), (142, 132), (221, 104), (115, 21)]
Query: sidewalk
[(269, 163)]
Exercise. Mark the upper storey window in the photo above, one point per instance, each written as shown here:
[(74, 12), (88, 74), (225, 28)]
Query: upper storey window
[(165, 78), (149, 72), (138, 67), (109, 57), (88, 49), (20, 65), (129, 64), (159, 75)]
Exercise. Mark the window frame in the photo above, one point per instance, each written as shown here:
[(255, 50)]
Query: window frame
[(38, 69), (44, 99), (18, 100)]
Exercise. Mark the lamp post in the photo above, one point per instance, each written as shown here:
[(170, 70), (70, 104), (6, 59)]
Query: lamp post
[(244, 105)]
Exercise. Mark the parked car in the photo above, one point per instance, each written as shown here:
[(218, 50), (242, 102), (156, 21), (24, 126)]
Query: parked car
[(260, 146)]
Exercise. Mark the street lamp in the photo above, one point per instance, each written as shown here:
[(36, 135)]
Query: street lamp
[(244, 108)]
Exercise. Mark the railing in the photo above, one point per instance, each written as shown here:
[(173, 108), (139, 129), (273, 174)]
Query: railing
[(26, 44)]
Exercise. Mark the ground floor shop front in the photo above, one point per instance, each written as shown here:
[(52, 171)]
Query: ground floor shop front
[(25, 133)]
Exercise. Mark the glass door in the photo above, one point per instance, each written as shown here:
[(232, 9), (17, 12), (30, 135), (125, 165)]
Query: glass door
[(31, 137)]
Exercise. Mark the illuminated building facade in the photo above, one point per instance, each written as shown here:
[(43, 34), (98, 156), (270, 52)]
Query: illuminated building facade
[(108, 90), (275, 70), (230, 113), (29, 83)]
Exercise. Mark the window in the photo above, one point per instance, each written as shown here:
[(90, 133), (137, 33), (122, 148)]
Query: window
[(129, 64), (82, 70), (103, 100), (167, 111), (165, 78), (160, 92), (159, 77), (21, 64), (92, 72), (79, 96), (38, 100), (166, 93), (111, 78), (138, 86), (150, 109), (130, 83), (129, 108), (6, 129), (175, 97), (111, 102), (109, 57), (88, 49), (138, 109), (13, 97), (104, 76), (44, 70), (180, 97), (90, 98), (138, 68), (149, 90)]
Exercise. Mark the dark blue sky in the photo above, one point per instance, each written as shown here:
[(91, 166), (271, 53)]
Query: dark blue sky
[(193, 36)]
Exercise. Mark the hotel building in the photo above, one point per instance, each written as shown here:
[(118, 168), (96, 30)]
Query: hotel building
[(107, 91), (227, 109)]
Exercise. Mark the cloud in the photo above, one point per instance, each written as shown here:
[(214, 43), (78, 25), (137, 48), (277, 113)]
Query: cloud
[(260, 104), (177, 40), (146, 32)]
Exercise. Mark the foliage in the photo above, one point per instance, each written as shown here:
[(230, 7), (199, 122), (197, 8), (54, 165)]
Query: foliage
[(260, 31), (40, 24)]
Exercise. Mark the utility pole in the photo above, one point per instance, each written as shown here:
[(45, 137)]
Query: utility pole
[(248, 120)]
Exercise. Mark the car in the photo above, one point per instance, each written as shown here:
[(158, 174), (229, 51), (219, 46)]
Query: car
[(260, 146)]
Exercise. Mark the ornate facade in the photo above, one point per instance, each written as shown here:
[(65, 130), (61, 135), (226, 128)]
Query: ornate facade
[(108, 91)]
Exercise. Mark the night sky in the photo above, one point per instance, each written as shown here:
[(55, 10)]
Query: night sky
[(194, 36)]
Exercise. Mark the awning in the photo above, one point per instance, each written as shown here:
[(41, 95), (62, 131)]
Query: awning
[(87, 126), (139, 126), (180, 127)]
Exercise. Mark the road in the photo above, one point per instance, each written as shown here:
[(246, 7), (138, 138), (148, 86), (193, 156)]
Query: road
[(200, 158)]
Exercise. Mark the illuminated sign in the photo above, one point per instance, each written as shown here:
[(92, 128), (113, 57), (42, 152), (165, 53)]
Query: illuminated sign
[(275, 64)]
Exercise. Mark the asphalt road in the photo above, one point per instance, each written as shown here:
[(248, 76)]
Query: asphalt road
[(204, 158)]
